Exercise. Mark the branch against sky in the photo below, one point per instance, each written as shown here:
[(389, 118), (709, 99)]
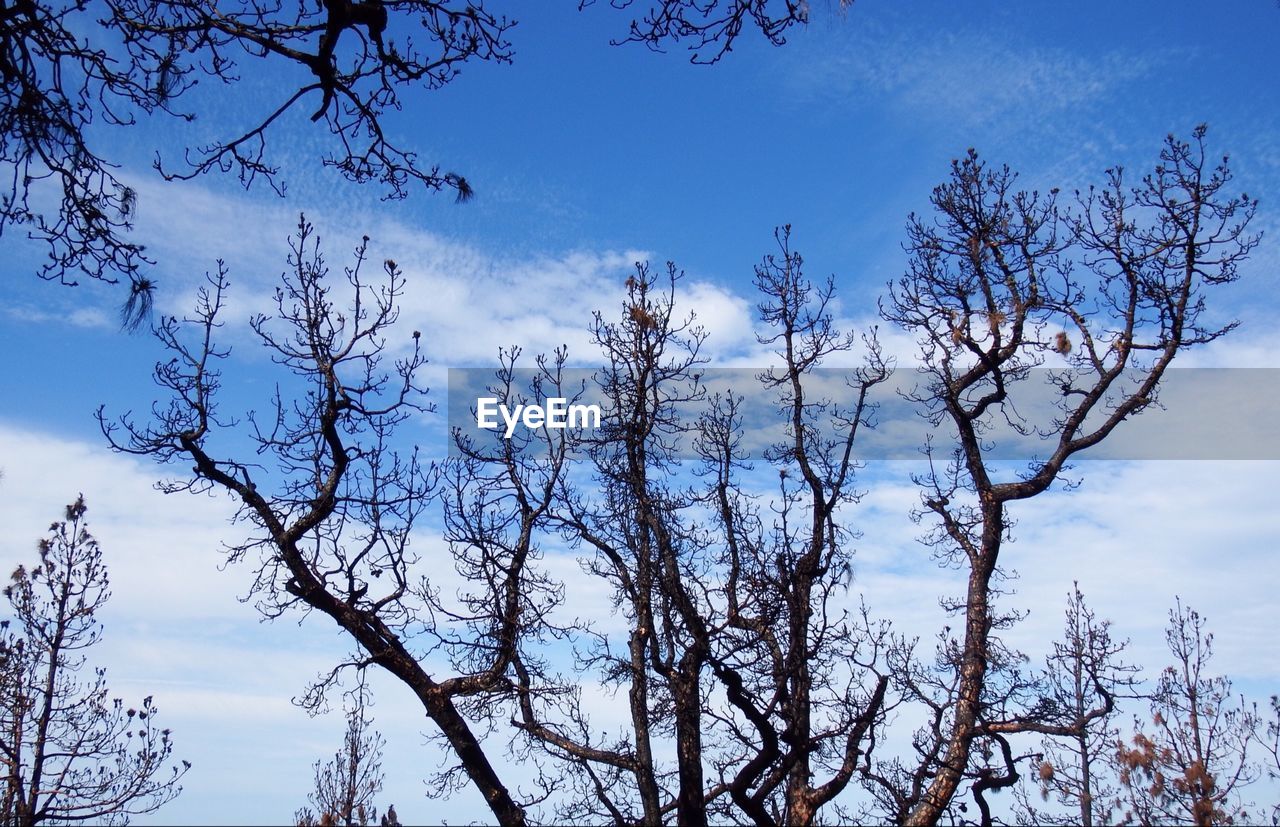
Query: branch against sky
[(1085, 677), (70, 752), (1194, 764), (53, 85), (66, 67), (770, 695), (334, 515), (998, 282), (710, 27)]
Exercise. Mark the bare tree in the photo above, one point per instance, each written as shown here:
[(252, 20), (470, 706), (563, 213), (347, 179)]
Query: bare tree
[(1000, 281), (70, 752), (790, 654), (332, 520), (734, 662), (509, 496), (347, 785), (1195, 762), (1084, 679)]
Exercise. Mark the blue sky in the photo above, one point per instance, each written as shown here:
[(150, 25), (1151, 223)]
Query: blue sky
[(586, 157)]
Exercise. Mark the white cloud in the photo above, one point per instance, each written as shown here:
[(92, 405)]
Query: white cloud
[(466, 302), (86, 317), (1135, 536)]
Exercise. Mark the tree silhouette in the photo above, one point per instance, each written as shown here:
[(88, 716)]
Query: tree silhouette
[(1085, 678), (734, 635), (334, 519), (65, 66), (70, 752), (752, 693), (1195, 761), (346, 786), (998, 281)]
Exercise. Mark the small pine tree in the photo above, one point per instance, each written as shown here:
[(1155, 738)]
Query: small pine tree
[(1193, 761), (345, 786), (69, 752), (1084, 677)]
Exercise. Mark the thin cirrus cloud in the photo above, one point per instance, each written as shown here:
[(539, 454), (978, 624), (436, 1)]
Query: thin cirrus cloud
[(966, 77), (1058, 115)]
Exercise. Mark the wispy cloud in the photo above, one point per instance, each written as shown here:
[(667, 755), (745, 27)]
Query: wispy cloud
[(467, 302), (968, 76), (84, 317)]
